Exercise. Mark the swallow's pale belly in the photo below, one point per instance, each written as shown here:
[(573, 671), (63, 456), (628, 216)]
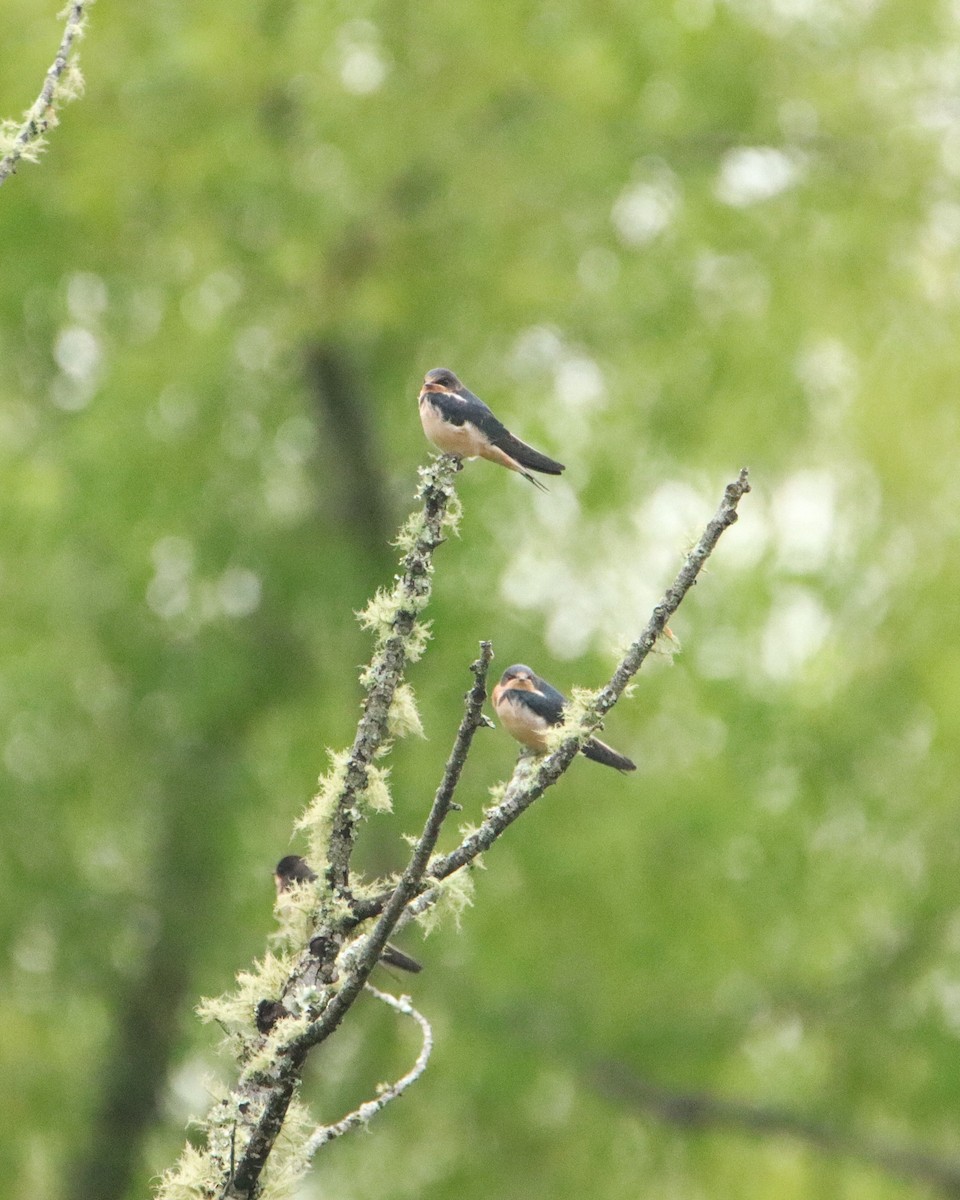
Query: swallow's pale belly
[(465, 440), (518, 720)]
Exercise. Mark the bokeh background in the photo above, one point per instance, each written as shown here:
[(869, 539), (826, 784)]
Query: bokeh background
[(662, 240)]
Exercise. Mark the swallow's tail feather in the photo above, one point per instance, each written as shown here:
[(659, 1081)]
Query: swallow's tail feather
[(541, 487), (602, 753), (526, 456)]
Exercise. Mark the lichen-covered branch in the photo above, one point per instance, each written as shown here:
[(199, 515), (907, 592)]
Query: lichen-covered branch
[(410, 882), (63, 82), (530, 782), (400, 640), (356, 966), (297, 997)]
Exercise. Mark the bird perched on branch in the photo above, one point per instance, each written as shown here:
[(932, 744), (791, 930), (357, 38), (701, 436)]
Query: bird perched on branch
[(458, 422), (528, 706), (294, 869)]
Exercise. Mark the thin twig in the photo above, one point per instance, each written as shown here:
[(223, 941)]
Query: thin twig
[(41, 115), (725, 516), (362, 1115)]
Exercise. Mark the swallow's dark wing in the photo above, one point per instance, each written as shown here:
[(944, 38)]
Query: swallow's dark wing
[(593, 748), (460, 407), (548, 706), (550, 693), (500, 436)]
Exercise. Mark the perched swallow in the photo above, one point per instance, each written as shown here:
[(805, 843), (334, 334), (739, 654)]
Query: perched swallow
[(290, 870), (528, 706), (458, 422), (293, 869)]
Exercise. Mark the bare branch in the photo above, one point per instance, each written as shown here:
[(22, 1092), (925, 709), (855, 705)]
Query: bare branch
[(63, 82), (725, 516), (363, 1114)]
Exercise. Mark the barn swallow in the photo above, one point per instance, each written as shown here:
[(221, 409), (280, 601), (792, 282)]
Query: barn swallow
[(458, 422), (528, 706), (290, 870), (293, 869)]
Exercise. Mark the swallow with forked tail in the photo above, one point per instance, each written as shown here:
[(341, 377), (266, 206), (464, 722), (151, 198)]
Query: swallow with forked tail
[(293, 869), (528, 706), (458, 422)]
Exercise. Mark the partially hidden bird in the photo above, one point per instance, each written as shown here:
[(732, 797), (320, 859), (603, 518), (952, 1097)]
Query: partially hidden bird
[(528, 706), (458, 422), (294, 869)]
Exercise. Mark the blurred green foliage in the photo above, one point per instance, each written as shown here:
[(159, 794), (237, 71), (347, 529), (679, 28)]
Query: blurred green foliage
[(661, 240)]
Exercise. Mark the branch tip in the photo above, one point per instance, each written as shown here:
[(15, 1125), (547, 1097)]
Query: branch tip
[(62, 83)]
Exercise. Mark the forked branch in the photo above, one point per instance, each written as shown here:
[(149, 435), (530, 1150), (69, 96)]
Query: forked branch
[(527, 785)]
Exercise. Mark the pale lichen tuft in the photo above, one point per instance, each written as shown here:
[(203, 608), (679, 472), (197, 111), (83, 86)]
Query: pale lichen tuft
[(296, 908), (375, 797), (497, 794), (317, 818), (403, 717), (236, 1009), (667, 645), (454, 895), (380, 613), (189, 1179), (579, 719)]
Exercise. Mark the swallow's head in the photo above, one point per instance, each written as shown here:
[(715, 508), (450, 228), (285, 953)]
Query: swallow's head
[(290, 870), (440, 379), (519, 676)]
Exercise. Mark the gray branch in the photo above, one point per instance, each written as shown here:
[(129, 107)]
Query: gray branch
[(410, 884)]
